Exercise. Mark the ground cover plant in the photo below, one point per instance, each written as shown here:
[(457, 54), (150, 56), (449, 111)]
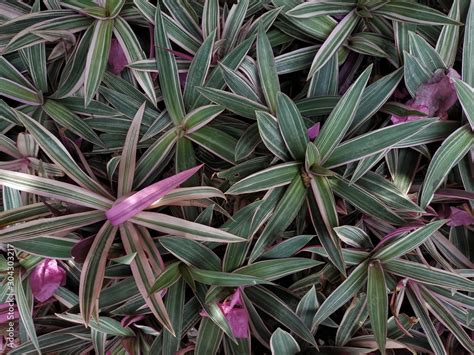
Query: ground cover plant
[(236, 177)]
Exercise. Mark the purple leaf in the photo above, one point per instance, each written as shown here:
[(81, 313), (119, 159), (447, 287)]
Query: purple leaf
[(433, 98), (46, 279), (117, 59), (313, 131), (127, 208), (459, 217)]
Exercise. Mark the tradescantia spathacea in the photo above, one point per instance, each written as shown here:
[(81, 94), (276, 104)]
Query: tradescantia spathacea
[(236, 177)]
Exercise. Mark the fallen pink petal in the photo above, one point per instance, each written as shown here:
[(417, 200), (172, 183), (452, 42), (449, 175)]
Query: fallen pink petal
[(433, 98), (46, 278), (117, 59), (459, 217)]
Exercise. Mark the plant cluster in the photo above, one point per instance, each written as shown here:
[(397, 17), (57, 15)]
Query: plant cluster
[(236, 177)]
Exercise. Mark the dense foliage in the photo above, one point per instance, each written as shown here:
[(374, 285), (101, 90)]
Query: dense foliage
[(236, 177)]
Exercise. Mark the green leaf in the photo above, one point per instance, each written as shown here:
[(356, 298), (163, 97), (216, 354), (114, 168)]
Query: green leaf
[(270, 270), (133, 52), (428, 274), (451, 151), (175, 305), (335, 40), (267, 70), (143, 274), (379, 140), (97, 58), (354, 317), (93, 272), (282, 343), (209, 335), (278, 175), (66, 118), (128, 158), (447, 44), (18, 92), (426, 323), (292, 127), (247, 143), (279, 310), (201, 116), (306, 10), (233, 24), (466, 98), (24, 303), (192, 253), (54, 189), (59, 155), (167, 278), (354, 236), (46, 226), (180, 227), (377, 303), (288, 247), (283, 215), (425, 53), (363, 200), (216, 141), (340, 119), (343, 293), (48, 247), (198, 71), (468, 49), (413, 13), (237, 84), (237, 104), (166, 65), (271, 135), (224, 279), (210, 17), (322, 208)]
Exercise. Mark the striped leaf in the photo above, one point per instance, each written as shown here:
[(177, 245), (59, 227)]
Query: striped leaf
[(267, 70), (377, 303), (292, 127), (198, 71), (133, 52), (451, 151), (18, 92), (46, 226), (271, 135), (270, 270), (180, 227), (59, 155), (93, 271), (342, 294), (466, 98), (447, 44), (335, 40), (68, 119), (340, 119), (97, 58), (166, 65), (413, 13), (54, 190), (282, 343)]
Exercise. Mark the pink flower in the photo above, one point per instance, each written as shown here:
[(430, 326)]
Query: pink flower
[(117, 59), (236, 314), (46, 279), (433, 98), (459, 217), (313, 131)]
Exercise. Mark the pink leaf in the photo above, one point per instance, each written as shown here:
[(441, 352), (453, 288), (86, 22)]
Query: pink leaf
[(434, 98), (46, 279), (313, 131), (117, 59), (127, 208)]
